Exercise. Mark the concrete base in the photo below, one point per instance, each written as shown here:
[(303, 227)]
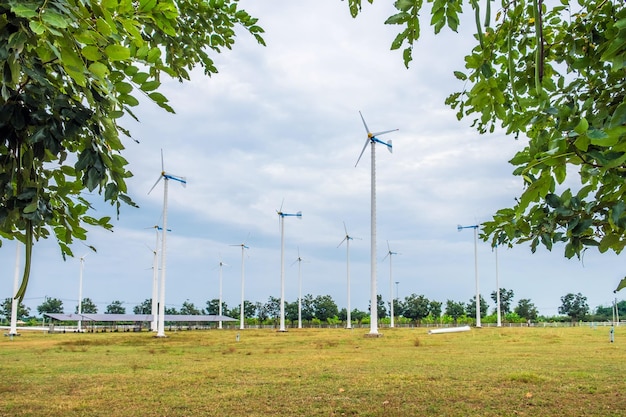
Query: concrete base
[(374, 335)]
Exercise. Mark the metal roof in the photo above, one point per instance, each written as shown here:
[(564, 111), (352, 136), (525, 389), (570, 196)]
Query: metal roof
[(137, 317)]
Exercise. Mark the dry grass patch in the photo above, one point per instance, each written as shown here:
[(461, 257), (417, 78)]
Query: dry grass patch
[(315, 372)]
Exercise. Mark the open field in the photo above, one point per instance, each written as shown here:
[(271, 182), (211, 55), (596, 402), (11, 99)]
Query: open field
[(316, 372)]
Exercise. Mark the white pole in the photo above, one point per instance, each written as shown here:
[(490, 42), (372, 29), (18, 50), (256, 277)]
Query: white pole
[(161, 320), (391, 289), (498, 310), (15, 304), (155, 282), (373, 295), (299, 294), (219, 325), (282, 273), (478, 324), (80, 294), (241, 308), (349, 313)]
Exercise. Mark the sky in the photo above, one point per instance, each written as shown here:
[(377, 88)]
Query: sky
[(280, 126)]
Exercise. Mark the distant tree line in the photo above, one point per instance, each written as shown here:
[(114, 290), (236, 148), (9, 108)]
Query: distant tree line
[(414, 309)]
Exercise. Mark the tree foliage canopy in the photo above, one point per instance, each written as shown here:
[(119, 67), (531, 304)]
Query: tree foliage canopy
[(70, 70), (552, 73)]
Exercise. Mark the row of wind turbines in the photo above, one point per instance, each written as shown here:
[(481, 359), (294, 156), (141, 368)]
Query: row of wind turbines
[(158, 324)]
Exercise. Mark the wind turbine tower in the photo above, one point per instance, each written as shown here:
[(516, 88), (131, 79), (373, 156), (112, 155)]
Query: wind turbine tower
[(219, 325), (299, 260), (390, 254), (165, 177), (241, 307), (373, 140), (281, 216), (347, 238), (80, 293)]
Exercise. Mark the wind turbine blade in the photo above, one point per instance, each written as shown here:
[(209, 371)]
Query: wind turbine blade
[(364, 124), (345, 228), (389, 146), (155, 184), (344, 239), (384, 132), (388, 248), (162, 163), (299, 215), (364, 146)]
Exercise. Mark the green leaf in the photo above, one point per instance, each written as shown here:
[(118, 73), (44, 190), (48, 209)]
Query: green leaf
[(25, 10), (600, 138), (54, 19), (619, 115), (582, 126), (117, 52)]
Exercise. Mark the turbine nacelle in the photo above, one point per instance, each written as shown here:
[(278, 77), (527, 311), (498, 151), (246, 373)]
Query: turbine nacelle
[(371, 138)]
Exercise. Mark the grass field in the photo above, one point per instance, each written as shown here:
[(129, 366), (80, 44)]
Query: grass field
[(316, 372)]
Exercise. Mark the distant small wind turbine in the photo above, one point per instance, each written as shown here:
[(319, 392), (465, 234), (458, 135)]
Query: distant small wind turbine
[(390, 254), (241, 307), (373, 140), (299, 260), (165, 177), (282, 216), (347, 238), (80, 293), (221, 264)]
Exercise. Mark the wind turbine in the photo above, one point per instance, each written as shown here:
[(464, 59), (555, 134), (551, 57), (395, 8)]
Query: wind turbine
[(282, 216), (299, 260), (155, 280), (241, 307), (165, 177), (221, 264), (80, 293), (347, 238), (373, 140), (475, 227), (390, 254)]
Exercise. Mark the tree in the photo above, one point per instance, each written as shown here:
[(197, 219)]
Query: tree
[(398, 307), (188, 308), (325, 307), (70, 70), (272, 308), (7, 306), (87, 307), (471, 307), (553, 74), (144, 308), (454, 309), (116, 307), (435, 308), (308, 307), (574, 306), (213, 307), (526, 309), (506, 298), (50, 306), (358, 315), (416, 307), (291, 311)]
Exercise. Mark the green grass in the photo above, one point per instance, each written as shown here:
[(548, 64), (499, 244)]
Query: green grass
[(316, 372)]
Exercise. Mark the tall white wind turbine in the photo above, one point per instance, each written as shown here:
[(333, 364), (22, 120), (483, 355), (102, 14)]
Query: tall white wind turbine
[(389, 254), (373, 140), (347, 238), (241, 306), (282, 216), (165, 177)]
